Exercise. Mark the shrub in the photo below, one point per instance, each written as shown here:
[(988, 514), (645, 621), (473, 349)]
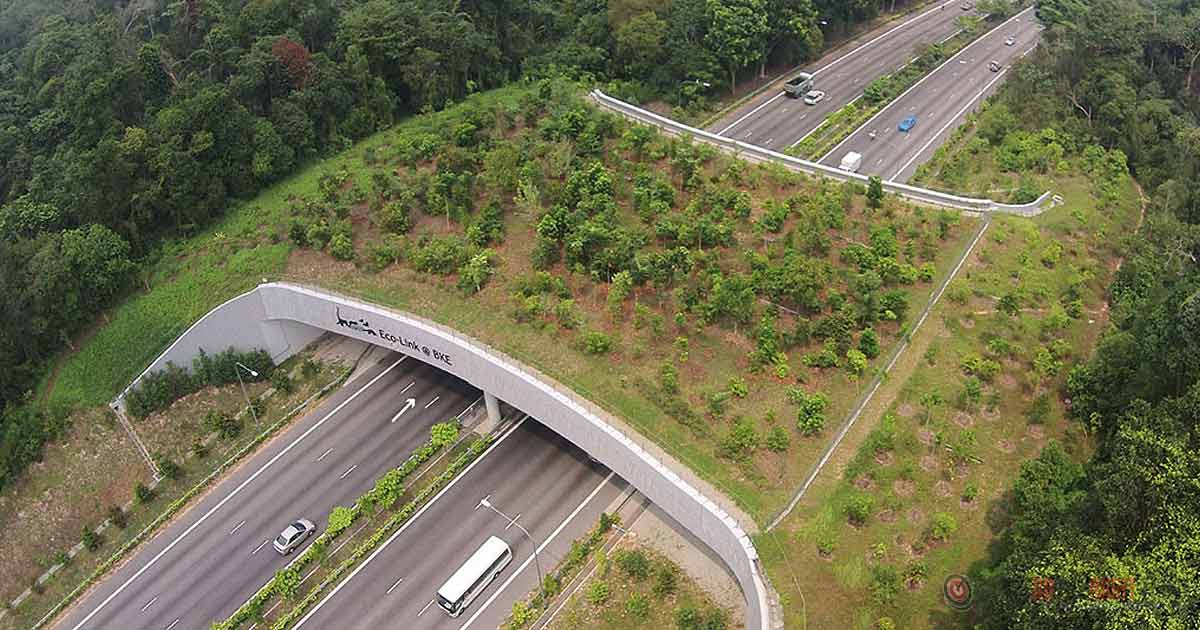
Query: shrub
[(634, 563), (778, 440), (598, 593), (668, 377), (309, 368), (868, 343), (117, 517), (858, 508), (885, 583), (443, 434), (474, 274), (737, 387), (341, 247), (637, 606), (91, 540), (225, 425), (522, 613), (318, 235), (393, 217), (970, 492), (166, 466), (942, 526), (810, 419), (596, 342), (741, 440), (567, 315), (142, 493), (298, 232), (665, 580), (281, 381), (339, 519), (885, 623)]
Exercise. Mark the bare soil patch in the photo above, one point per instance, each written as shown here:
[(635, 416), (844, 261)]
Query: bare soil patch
[(885, 458), (929, 463), (964, 420), (887, 516), (903, 487), (864, 482), (1036, 431), (925, 436), (916, 516), (906, 410), (942, 488), (1008, 381), (1006, 446), (967, 322)]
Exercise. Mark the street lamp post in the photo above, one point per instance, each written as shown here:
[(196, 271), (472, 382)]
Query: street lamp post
[(485, 502), (243, 385)]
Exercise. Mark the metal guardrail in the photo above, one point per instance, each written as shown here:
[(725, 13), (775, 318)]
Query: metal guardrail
[(759, 154)]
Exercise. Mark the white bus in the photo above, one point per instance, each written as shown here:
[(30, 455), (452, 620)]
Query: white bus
[(473, 576)]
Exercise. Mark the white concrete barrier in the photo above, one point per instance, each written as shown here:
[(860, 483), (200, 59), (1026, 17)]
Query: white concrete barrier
[(759, 154), (284, 317)]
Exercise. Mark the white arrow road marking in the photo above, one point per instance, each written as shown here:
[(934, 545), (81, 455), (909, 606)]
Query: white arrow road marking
[(408, 404)]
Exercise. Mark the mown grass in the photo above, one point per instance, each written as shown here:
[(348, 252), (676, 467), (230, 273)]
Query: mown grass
[(817, 556)]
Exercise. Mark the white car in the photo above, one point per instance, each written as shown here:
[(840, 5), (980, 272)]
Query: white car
[(1010, 41), (813, 97), (293, 535)]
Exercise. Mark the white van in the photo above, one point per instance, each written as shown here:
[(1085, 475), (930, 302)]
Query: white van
[(851, 162), (473, 576)]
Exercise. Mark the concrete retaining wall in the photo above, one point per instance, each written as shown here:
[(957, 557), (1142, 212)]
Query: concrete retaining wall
[(284, 317)]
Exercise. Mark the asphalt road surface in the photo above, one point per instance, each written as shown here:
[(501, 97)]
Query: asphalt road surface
[(777, 122), (531, 474), (216, 555), (940, 101)]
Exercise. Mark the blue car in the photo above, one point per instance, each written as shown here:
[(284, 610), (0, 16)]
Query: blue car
[(908, 123)]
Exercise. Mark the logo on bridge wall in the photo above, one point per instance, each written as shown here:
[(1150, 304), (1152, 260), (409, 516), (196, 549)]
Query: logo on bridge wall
[(361, 325)]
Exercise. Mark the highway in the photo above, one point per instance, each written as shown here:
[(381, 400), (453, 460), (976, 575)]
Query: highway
[(776, 122), (940, 100), (217, 554), (549, 486)]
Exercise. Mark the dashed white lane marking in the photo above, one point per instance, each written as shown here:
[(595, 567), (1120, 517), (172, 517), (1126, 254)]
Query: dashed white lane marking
[(435, 399), (393, 587), (239, 526), (310, 574), (425, 608), (540, 548), (173, 623), (230, 496), (325, 454), (260, 546), (408, 387), (348, 471), (149, 603)]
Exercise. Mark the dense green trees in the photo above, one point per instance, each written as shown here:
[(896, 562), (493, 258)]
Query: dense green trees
[(1115, 86)]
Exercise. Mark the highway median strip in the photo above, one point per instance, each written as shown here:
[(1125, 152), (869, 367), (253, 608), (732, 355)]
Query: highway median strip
[(878, 95), (285, 586)]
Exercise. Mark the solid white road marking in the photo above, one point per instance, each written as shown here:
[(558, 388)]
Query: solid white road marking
[(545, 543), (435, 399), (408, 404), (260, 546), (173, 624), (149, 603), (348, 471), (425, 608), (230, 496), (327, 452), (415, 517), (239, 526), (393, 587), (469, 407), (948, 123)]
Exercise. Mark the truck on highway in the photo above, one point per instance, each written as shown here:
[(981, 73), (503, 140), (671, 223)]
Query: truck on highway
[(799, 85), (851, 162)]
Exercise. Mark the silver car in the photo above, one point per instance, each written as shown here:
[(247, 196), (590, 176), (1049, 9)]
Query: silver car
[(293, 535)]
